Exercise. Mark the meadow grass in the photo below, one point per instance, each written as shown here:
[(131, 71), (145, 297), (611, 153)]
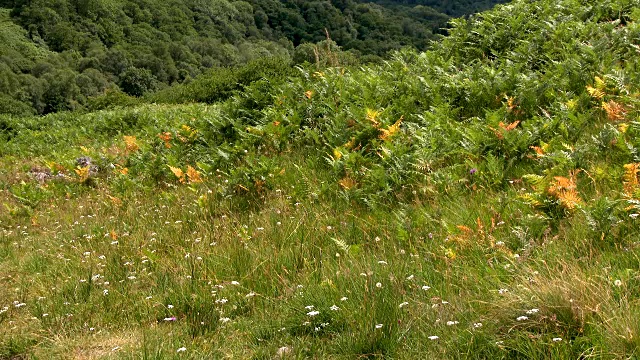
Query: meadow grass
[(476, 201), (87, 276)]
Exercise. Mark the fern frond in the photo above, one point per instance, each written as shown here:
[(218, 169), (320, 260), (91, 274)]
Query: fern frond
[(342, 245), (537, 181), (392, 130), (630, 180), (615, 111)]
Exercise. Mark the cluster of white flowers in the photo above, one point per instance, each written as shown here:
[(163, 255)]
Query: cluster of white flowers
[(18, 304)]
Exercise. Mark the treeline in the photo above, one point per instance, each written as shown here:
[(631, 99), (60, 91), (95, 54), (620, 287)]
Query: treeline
[(58, 55), (453, 8)]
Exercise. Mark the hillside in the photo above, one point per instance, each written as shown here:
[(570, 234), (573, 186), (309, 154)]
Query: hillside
[(453, 8), (477, 200), (140, 46)]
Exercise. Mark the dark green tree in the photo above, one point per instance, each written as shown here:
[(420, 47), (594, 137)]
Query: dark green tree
[(135, 81)]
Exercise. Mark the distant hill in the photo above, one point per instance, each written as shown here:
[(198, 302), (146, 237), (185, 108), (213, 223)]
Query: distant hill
[(453, 8)]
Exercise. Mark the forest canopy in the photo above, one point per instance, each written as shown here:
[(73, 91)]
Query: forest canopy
[(57, 55)]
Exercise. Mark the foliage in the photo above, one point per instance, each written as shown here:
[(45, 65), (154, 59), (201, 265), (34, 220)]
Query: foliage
[(56, 54), (476, 200)]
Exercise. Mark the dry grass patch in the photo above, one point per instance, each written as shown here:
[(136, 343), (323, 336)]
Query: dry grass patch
[(104, 345)]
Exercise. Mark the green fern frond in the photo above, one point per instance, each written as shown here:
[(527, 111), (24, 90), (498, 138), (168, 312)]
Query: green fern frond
[(537, 181), (530, 199)]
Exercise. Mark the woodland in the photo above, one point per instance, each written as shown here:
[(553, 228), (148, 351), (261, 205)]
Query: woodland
[(58, 55)]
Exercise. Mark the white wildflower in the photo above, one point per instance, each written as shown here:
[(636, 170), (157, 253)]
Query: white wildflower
[(283, 351)]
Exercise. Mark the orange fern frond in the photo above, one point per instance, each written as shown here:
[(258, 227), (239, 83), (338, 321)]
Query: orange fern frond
[(615, 111), (569, 198), (464, 228), (565, 190), (131, 143), (116, 201), (511, 105), (178, 173), (539, 150), (347, 183), (194, 175), (510, 126), (392, 130), (166, 138)]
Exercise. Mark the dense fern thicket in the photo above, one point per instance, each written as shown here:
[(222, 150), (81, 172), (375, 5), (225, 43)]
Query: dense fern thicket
[(477, 200), (56, 55)]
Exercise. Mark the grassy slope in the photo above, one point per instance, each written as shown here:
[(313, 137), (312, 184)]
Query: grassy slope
[(497, 216)]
